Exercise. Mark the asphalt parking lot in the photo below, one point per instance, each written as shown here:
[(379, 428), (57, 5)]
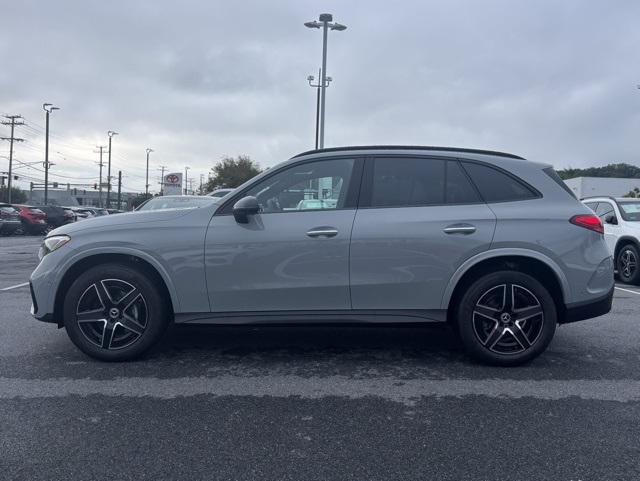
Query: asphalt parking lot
[(314, 403)]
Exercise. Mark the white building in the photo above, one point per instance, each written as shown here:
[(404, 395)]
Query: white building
[(596, 186)]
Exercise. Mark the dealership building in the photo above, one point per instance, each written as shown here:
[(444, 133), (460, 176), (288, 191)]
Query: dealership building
[(597, 186)]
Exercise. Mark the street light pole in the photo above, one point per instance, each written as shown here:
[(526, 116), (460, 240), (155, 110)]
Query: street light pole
[(186, 179), (48, 108), (111, 133), (146, 189), (326, 23), (317, 86)]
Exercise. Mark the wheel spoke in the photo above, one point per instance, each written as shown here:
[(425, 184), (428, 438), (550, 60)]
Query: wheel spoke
[(107, 335), (494, 336), (487, 312), (520, 336), (93, 315), (527, 312), (130, 324), (128, 299), (103, 294), (507, 298)]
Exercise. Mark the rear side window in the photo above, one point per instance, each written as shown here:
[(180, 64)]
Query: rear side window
[(497, 186), (556, 178), (592, 205), (407, 181), (604, 209)]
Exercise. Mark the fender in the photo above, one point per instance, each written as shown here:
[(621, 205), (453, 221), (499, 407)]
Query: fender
[(154, 262), (503, 252)]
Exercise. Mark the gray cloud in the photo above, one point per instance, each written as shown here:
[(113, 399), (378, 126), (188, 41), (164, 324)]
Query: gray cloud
[(195, 80)]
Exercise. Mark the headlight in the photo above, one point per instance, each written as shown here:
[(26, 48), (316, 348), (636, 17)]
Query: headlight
[(52, 243)]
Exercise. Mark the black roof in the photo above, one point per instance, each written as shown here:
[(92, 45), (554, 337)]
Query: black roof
[(409, 147)]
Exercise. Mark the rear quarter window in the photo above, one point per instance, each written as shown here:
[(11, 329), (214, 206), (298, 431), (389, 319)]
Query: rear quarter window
[(556, 178), (497, 186)]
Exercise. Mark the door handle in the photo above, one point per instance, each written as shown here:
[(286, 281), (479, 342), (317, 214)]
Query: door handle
[(460, 229), (322, 232)]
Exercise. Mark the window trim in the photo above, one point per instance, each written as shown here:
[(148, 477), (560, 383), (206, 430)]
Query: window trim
[(351, 199), (366, 190)]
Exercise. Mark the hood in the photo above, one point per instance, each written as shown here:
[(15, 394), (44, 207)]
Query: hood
[(107, 221)]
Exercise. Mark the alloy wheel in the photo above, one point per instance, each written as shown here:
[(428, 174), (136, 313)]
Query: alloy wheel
[(628, 263), (112, 314), (508, 319)]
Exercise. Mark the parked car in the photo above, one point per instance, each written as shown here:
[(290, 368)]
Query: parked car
[(164, 202), (33, 220), (115, 211), (9, 219), (220, 192), (487, 242), (621, 219), (56, 216), (88, 212)]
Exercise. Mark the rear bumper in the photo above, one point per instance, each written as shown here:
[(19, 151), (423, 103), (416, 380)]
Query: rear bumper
[(580, 311)]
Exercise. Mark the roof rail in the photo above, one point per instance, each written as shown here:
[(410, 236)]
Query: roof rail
[(599, 197), (409, 147)]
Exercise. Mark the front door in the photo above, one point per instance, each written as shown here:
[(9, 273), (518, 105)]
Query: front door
[(293, 254)]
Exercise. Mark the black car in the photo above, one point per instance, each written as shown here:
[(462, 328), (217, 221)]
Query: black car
[(56, 216), (9, 219)]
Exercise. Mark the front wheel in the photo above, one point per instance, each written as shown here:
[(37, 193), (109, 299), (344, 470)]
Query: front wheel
[(506, 318), (113, 312), (627, 264)]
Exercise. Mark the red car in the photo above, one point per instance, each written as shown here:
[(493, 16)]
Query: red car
[(34, 221)]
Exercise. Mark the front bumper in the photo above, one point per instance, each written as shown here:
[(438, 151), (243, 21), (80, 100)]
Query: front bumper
[(580, 311)]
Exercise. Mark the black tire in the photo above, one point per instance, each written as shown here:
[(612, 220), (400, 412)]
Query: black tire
[(627, 264), (512, 339), (113, 335)]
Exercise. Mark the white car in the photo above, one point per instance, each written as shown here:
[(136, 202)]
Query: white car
[(621, 220)]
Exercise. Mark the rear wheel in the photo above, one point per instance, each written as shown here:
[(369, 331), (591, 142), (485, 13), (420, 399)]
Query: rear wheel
[(506, 318), (113, 312), (627, 264)]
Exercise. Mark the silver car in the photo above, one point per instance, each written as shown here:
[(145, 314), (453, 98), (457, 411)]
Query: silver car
[(489, 243)]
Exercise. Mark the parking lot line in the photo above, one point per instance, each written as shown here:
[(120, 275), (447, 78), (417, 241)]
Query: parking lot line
[(628, 290), (14, 287)]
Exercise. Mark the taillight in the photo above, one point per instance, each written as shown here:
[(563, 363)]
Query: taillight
[(588, 221)]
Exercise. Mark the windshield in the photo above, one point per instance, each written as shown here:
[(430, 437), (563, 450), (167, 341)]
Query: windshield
[(630, 210), (184, 202)]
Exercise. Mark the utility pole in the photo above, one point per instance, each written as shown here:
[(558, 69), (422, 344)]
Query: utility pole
[(325, 23), (201, 182), (119, 187), (48, 108), (146, 187), (162, 168), (111, 133), (13, 121), (101, 164), (186, 179)]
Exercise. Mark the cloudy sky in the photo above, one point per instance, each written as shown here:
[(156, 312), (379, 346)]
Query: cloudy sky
[(196, 80)]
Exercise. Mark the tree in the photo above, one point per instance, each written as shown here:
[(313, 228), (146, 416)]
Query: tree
[(635, 193), (17, 195), (611, 170), (231, 172)]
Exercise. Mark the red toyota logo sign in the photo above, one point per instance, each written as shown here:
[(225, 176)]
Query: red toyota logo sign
[(172, 179)]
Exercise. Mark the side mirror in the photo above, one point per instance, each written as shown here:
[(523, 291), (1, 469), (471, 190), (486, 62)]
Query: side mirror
[(611, 219), (244, 208)]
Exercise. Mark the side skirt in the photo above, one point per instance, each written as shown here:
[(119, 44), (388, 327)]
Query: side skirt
[(315, 317)]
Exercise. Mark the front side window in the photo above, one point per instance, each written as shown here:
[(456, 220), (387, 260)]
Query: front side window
[(497, 186), (315, 185), (630, 210)]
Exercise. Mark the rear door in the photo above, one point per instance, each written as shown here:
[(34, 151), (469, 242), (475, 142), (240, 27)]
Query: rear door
[(611, 231), (418, 220)]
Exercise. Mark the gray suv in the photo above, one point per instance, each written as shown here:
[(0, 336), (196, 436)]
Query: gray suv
[(487, 242)]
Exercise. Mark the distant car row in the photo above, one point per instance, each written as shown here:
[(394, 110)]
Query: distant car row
[(19, 219)]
